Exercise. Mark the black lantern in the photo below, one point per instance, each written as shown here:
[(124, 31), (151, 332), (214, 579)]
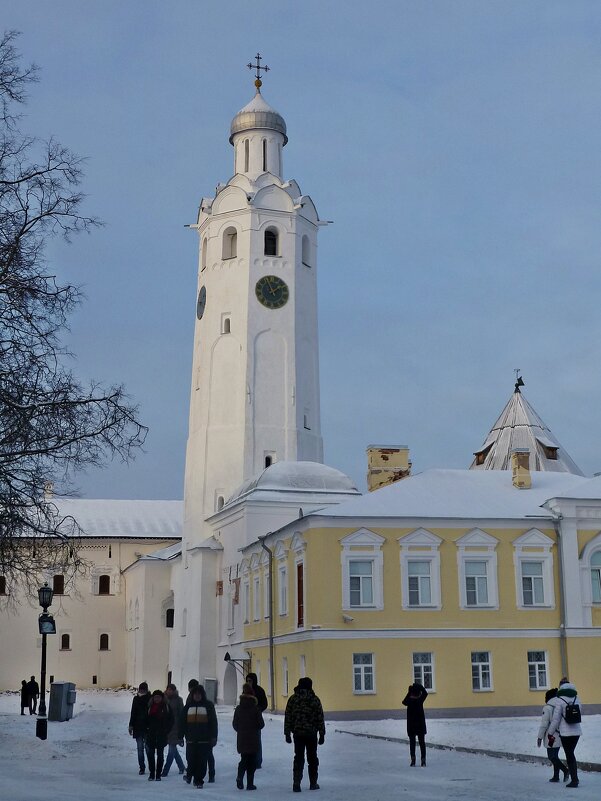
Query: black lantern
[(46, 626), (45, 595)]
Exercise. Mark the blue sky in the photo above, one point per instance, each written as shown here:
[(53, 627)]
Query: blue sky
[(454, 144)]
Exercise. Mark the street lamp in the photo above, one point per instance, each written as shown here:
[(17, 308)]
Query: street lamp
[(46, 626)]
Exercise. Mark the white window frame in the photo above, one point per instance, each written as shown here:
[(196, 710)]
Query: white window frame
[(420, 666), (298, 545), (283, 589), (534, 546), (256, 598), (266, 592), (103, 570), (302, 666), (284, 675), (362, 672), (363, 546), (246, 591), (536, 663), (478, 546), (421, 546), (479, 664)]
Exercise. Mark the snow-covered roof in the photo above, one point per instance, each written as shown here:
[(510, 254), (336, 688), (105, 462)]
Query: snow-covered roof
[(465, 494), (124, 519), (296, 477), (165, 554), (519, 426)]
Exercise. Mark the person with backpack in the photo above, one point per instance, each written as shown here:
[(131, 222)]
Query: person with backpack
[(416, 720), (551, 742), (566, 721)]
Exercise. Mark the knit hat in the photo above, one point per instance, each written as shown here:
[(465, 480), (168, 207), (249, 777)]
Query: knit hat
[(305, 683)]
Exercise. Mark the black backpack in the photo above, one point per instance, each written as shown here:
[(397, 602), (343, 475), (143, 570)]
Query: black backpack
[(571, 713)]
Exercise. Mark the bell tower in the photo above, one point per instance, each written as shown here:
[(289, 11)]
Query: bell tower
[(255, 371)]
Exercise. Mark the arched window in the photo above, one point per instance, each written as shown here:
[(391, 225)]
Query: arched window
[(230, 244), (264, 143), (104, 585), (268, 461), (271, 242), (246, 154), (596, 576), (226, 326), (220, 502), (58, 585), (203, 257), (65, 642), (306, 251), (169, 618), (104, 642)]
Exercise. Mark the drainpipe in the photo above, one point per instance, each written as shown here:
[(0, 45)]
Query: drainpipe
[(563, 646), (271, 646)]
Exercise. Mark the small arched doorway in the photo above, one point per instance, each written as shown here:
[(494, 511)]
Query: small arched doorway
[(230, 685)]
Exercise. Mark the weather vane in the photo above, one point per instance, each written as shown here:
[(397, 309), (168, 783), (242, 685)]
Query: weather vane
[(518, 379), (258, 67)]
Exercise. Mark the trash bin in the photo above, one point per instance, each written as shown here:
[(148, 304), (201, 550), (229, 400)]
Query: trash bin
[(62, 700), (210, 686)]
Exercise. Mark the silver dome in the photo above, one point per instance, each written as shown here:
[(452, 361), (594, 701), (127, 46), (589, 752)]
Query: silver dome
[(258, 114)]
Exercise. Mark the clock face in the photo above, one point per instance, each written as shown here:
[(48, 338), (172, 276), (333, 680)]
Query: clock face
[(202, 302), (272, 292)]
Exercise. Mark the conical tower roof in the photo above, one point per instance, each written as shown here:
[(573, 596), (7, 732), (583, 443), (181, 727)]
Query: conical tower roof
[(519, 426)]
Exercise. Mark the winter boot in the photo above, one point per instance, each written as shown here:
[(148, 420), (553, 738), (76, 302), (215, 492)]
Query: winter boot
[(151, 776), (239, 782), (296, 780)]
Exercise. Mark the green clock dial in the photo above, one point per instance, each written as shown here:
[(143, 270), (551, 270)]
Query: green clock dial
[(202, 302), (272, 292)]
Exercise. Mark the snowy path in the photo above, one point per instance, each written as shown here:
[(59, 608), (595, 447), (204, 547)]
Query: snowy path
[(91, 758)]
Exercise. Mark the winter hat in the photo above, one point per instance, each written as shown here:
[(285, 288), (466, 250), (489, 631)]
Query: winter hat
[(247, 689), (143, 687), (552, 693), (305, 683), (158, 692)]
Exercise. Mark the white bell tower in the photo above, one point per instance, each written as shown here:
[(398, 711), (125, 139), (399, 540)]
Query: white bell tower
[(255, 374)]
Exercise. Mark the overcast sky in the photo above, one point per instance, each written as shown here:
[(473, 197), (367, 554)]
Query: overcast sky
[(454, 144)]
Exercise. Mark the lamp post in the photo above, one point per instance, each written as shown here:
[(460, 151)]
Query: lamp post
[(46, 626)]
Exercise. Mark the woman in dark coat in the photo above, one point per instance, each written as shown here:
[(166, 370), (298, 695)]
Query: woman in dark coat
[(24, 696), (158, 726), (416, 720), (247, 722)]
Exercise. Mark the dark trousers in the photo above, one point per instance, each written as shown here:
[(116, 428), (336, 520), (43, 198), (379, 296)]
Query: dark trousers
[(553, 755), (197, 757), (302, 743), (248, 765), (140, 742), (569, 746), (422, 746), (155, 768), (211, 763), (33, 702), (259, 757)]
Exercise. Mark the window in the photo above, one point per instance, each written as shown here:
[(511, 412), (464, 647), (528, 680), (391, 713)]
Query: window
[(2, 585), (184, 630), (256, 598), (246, 154), (361, 583), (65, 642), (269, 457), (104, 585), (283, 587), (264, 146), (533, 588), (302, 666), (94, 679), (230, 243), (104, 642), (226, 326), (420, 570), (595, 577), (203, 252), (306, 251), (363, 673), (169, 618), (476, 583), (420, 583), (481, 672), (306, 421), (300, 595), (537, 670), (246, 601), (267, 588), (271, 242), (423, 669), (220, 502), (58, 585), (284, 675)]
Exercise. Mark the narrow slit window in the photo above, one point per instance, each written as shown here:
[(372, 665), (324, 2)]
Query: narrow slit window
[(58, 585), (220, 503), (306, 251), (246, 154), (104, 585), (203, 257), (103, 645), (268, 461), (264, 155), (2, 585), (227, 328), (169, 618), (65, 642), (271, 242)]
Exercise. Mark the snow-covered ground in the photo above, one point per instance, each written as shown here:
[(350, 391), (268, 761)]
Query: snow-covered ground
[(92, 758)]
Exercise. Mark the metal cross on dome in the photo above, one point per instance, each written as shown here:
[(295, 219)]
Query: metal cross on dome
[(258, 67)]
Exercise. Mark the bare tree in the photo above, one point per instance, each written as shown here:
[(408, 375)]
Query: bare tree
[(51, 425)]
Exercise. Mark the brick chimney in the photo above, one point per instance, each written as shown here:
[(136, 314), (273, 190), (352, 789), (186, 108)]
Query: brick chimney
[(386, 465), (520, 468)]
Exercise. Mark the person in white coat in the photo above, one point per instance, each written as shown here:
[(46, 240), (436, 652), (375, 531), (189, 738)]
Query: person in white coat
[(552, 743), (569, 732)]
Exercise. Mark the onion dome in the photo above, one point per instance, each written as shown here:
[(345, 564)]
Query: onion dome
[(258, 114)]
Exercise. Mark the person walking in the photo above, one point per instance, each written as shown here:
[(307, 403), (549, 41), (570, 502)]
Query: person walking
[(566, 721), (416, 720), (551, 743), (247, 722), (261, 697), (176, 704), (137, 721), (210, 757), (158, 725), (33, 689), (24, 696), (304, 721), (199, 727)]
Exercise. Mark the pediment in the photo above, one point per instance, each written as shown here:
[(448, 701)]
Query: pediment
[(421, 537), (254, 561), (363, 537), (280, 551), (534, 539), (264, 558), (245, 565), (476, 538), (298, 543)]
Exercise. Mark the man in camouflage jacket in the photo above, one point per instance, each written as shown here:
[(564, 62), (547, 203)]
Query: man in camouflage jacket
[(304, 721)]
